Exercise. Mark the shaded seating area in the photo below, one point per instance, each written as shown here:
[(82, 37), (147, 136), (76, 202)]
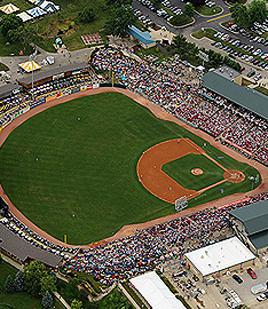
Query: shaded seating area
[(22, 251)]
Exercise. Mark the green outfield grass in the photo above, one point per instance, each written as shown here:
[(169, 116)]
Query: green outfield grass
[(180, 170), (78, 177)]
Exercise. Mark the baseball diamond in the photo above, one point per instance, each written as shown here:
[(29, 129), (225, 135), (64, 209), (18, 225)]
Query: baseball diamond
[(73, 159)]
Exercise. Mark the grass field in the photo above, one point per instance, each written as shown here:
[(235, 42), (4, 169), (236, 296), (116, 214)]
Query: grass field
[(78, 177), (61, 23), (180, 170)]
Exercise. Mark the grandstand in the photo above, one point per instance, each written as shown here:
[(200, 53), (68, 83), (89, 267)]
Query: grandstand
[(251, 225), (246, 98)]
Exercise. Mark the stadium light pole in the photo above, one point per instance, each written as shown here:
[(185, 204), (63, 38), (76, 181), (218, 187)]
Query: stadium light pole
[(32, 57)]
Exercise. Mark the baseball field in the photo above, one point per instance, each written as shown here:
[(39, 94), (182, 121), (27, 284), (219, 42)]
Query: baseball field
[(72, 169)]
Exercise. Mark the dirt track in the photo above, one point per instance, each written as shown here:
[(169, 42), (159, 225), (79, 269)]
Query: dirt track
[(158, 112)]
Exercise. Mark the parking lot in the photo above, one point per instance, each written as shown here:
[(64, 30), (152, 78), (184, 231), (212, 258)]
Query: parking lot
[(223, 292), (244, 289)]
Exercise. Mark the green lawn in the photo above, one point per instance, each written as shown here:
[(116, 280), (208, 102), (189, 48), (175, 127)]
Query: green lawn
[(84, 182), (3, 67), (206, 11), (61, 23), (208, 32), (49, 26), (180, 170)]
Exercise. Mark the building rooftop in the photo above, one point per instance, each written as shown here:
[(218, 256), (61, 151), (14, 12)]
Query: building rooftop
[(23, 250), (247, 98), (260, 240), (220, 256), (254, 217), (54, 71), (7, 89), (142, 36), (155, 292)]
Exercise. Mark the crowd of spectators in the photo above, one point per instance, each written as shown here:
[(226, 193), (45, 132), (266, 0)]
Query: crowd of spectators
[(150, 248), (14, 105), (167, 85)]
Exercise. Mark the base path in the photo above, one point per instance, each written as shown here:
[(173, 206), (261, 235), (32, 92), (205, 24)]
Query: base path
[(154, 179), (160, 113)]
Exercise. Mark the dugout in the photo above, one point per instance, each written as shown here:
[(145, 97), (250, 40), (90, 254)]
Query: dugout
[(42, 77)]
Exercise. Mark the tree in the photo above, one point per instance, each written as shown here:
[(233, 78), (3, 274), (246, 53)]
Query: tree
[(118, 2), (9, 284), (179, 41), (116, 300), (121, 18), (189, 9), (47, 300), (240, 14), (47, 284), (33, 273), (9, 22), (257, 11), (87, 15), (76, 304), (19, 281)]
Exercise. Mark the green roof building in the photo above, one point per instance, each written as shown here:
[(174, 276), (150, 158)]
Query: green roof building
[(251, 225), (247, 98)]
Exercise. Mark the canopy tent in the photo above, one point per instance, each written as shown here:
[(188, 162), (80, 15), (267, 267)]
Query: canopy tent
[(36, 12), (33, 1), (48, 6), (24, 16), (155, 292), (30, 66), (9, 8)]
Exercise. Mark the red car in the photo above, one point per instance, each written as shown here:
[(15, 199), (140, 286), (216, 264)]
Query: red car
[(252, 273)]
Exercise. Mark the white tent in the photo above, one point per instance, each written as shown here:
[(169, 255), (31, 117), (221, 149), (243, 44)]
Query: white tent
[(220, 256), (155, 292), (24, 16), (48, 6), (36, 12), (9, 8)]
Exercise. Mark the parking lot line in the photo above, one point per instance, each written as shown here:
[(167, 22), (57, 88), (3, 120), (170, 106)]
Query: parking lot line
[(218, 17)]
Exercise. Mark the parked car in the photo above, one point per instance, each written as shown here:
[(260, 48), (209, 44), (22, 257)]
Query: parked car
[(252, 273), (261, 297), (237, 279)]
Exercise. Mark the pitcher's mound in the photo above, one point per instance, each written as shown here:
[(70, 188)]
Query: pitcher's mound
[(197, 171)]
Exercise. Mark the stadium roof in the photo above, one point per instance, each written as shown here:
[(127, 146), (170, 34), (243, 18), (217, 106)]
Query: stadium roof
[(155, 292), (23, 250), (260, 240), (220, 256), (50, 72), (245, 97), (254, 217), (142, 36), (7, 89)]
